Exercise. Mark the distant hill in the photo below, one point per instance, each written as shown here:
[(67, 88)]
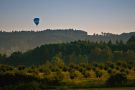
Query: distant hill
[(26, 40), (81, 51), (109, 36)]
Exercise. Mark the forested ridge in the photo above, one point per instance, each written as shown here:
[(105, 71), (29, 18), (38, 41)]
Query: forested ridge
[(26, 40), (74, 52)]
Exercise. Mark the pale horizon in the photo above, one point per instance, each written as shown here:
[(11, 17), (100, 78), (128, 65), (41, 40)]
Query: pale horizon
[(92, 16)]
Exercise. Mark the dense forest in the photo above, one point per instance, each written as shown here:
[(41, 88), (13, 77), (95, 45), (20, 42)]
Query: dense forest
[(77, 64), (26, 40), (74, 52)]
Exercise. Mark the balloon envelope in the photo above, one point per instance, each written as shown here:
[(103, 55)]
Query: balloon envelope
[(36, 21)]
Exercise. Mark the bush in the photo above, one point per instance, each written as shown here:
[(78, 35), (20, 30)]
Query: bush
[(45, 70), (117, 80), (75, 74), (86, 74), (98, 74), (55, 80), (14, 78)]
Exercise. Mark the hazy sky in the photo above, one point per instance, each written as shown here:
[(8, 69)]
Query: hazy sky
[(93, 16)]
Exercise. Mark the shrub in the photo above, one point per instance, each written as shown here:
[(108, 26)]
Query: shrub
[(117, 79), (55, 79), (87, 74), (75, 74), (98, 74)]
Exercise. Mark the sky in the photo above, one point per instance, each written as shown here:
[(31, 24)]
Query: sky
[(92, 16)]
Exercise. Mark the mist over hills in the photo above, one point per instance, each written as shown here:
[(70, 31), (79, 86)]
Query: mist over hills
[(25, 40), (106, 37)]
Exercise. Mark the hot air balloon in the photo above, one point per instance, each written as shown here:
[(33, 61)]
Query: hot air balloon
[(36, 21)]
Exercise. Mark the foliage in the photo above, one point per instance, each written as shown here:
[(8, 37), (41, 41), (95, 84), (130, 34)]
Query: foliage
[(117, 79), (71, 63), (42, 76), (98, 74), (74, 52)]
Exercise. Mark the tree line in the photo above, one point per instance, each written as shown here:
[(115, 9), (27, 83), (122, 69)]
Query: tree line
[(74, 52)]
